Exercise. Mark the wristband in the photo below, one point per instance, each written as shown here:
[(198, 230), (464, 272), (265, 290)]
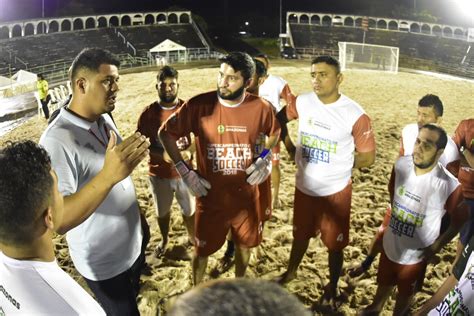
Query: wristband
[(367, 262), (182, 168)]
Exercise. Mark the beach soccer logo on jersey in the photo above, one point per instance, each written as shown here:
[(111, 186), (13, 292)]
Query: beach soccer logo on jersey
[(401, 190), (220, 129)]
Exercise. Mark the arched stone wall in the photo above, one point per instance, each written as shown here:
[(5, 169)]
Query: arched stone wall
[(172, 18)]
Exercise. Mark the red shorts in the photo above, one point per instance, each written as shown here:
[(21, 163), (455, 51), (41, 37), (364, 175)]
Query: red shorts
[(276, 155), (407, 278), (212, 226), (328, 215)]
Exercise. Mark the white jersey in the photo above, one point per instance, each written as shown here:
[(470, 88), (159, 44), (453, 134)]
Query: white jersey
[(325, 146), (417, 209), (460, 300), (271, 90), (41, 288), (108, 242), (409, 134)]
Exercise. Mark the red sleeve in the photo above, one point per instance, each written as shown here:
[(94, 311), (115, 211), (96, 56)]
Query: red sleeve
[(455, 207), (363, 134), (459, 136), (291, 112), (287, 95)]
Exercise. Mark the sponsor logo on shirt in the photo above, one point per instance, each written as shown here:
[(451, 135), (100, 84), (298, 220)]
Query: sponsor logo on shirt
[(9, 298), (403, 221), (228, 159), (401, 191), (470, 275), (221, 129), (453, 304), (315, 123), (316, 149)]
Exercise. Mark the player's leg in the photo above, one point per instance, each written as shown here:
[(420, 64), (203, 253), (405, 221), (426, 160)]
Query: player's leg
[(410, 280), (163, 197), (199, 268), (276, 174), (188, 207), (305, 224), (242, 257)]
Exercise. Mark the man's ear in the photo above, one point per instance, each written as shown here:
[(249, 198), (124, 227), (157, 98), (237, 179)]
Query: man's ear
[(439, 120), (48, 218), (81, 84), (340, 78), (248, 83)]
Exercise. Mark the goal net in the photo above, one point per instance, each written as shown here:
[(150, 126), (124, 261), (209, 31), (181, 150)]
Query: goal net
[(367, 56)]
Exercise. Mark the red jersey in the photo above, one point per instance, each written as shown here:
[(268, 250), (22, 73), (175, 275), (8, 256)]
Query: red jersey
[(464, 136), (151, 119), (226, 142)]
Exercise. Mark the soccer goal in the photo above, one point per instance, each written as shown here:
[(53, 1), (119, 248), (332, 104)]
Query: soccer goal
[(366, 56)]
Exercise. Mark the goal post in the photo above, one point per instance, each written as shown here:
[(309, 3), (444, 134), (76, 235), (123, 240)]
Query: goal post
[(367, 56)]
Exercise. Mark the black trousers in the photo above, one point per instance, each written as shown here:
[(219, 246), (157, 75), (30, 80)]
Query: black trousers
[(118, 295), (44, 105)]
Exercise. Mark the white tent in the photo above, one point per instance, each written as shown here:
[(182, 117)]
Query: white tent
[(21, 82), (169, 48)]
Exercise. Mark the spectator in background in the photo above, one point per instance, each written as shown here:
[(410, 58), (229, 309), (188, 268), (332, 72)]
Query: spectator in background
[(42, 86)]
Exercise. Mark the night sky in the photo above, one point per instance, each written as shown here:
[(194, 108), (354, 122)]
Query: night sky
[(232, 14)]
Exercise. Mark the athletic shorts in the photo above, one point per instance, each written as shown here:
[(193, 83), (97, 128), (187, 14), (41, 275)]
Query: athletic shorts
[(276, 155), (212, 226), (163, 192), (467, 229), (408, 278), (328, 215)]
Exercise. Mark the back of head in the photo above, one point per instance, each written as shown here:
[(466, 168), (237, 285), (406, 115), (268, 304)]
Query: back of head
[(25, 191), (432, 101), (240, 61), (442, 135), (328, 60), (263, 58), (260, 69), (166, 72), (235, 297), (91, 59)]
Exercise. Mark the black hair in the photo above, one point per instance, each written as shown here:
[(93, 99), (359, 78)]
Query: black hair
[(432, 101), (240, 61), (25, 190), (91, 59), (442, 135), (167, 72), (260, 68), (328, 60), (41, 76)]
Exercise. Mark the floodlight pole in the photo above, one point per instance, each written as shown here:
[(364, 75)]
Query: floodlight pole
[(280, 20)]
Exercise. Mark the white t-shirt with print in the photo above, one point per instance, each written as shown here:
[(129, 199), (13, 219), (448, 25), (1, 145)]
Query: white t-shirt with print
[(41, 288), (417, 209)]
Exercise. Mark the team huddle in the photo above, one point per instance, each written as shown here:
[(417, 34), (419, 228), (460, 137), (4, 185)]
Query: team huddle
[(218, 153)]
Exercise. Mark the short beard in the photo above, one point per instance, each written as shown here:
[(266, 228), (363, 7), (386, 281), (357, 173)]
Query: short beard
[(424, 165), (168, 99), (233, 96)]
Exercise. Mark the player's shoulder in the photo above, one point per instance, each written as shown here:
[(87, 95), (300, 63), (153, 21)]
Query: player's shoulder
[(277, 79), (351, 105), (203, 98), (410, 129)]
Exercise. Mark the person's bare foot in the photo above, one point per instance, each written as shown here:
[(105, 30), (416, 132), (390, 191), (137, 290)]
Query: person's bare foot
[(285, 278), (330, 297), (223, 265), (356, 271), (276, 203), (161, 249)]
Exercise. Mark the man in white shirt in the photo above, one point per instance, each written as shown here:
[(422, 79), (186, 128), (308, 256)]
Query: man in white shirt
[(31, 208), (101, 213), (334, 136), (421, 192)]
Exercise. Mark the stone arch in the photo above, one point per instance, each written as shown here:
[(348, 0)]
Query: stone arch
[(90, 23), (393, 25), (125, 21), (184, 18), (78, 24), (315, 19), (53, 27), (436, 30), (459, 33), (415, 28), (41, 28), (326, 21), (29, 29), (358, 22), (4, 32), (382, 24), (304, 19), (149, 19), (447, 31), (65, 25), (425, 29), (348, 21), (172, 18), (114, 21), (161, 18), (102, 22), (16, 30), (372, 23), (293, 18)]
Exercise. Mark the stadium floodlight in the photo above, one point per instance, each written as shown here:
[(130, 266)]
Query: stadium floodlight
[(367, 56), (467, 6)]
